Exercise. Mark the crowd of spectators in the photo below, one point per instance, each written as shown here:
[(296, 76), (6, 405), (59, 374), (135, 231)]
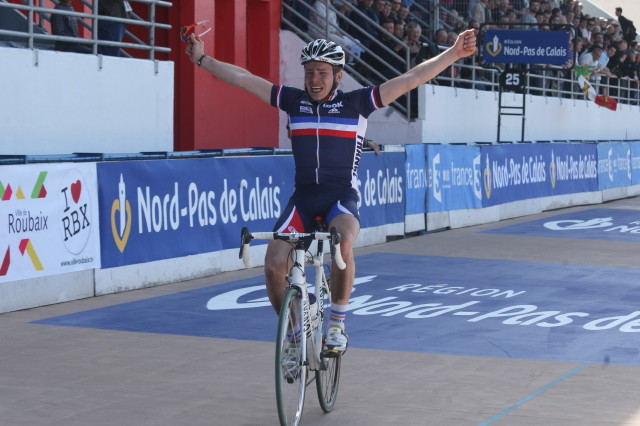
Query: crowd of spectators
[(392, 31)]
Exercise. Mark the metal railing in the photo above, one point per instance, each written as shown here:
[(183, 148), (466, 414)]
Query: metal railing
[(550, 81), (35, 35)]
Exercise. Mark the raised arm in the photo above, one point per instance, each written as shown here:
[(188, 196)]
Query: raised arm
[(232, 74), (391, 90)]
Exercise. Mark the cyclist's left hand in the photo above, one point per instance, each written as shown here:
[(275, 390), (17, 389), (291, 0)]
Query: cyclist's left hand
[(466, 43)]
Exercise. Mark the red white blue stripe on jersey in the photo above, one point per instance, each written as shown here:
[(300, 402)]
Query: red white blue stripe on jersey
[(324, 126)]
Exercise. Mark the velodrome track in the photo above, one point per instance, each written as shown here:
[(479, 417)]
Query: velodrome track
[(529, 321)]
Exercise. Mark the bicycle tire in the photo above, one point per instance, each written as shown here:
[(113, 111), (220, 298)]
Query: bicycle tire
[(327, 382), (328, 377), (290, 381)]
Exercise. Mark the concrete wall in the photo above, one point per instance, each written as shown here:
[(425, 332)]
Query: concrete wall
[(59, 103)]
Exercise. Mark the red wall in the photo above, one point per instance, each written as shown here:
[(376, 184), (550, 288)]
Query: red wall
[(208, 112)]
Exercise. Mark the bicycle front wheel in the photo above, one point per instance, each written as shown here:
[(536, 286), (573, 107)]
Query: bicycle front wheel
[(291, 371)]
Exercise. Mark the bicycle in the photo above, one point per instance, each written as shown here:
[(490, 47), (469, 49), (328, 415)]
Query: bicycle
[(295, 358)]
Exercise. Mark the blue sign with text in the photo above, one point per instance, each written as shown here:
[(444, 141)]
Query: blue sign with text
[(454, 177), (382, 189), (416, 181), (635, 162), (614, 164), (519, 172), (153, 210), (526, 47)]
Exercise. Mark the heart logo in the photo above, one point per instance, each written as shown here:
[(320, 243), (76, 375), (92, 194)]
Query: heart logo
[(494, 52), (121, 242), (76, 189)]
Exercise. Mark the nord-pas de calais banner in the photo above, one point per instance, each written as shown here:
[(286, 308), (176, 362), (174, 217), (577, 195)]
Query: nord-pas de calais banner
[(523, 171), (455, 177), (153, 210), (382, 189), (48, 220), (614, 164), (526, 47)]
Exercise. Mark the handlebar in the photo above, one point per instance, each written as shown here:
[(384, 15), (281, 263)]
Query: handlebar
[(333, 237)]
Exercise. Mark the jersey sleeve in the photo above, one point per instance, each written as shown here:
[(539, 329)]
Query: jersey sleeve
[(284, 97), (367, 100)]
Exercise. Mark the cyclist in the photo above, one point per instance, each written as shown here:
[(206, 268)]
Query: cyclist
[(327, 133)]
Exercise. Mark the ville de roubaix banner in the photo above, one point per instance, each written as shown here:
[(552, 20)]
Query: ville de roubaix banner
[(48, 220)]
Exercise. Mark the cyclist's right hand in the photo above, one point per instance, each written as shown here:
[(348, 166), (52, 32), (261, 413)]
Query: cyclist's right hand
[(195, 48)]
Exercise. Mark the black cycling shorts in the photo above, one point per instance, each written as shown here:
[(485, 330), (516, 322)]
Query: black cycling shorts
[(311, 201)]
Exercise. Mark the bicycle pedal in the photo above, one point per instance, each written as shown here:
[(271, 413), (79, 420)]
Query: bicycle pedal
[(330, 353)]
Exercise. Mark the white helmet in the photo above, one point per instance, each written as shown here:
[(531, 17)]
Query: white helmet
[(322, 51)]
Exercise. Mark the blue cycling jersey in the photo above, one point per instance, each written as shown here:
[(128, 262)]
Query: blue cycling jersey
[(327, 138)]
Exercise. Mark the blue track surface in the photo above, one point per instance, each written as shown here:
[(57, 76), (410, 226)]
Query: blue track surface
[(593, 224), (484, 307)]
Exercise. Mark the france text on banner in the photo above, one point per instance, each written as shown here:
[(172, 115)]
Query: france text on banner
[(614, 164), (454, 177), (48, 220), (416, 180), (635, 162)]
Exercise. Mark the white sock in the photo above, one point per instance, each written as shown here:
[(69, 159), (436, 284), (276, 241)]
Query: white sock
[(338, 314)]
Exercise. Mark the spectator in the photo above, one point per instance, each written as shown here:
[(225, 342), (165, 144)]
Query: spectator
[(395, 9), (628, 29), (403, 14), (480, 11), (529, 15), (455, 22), (378, 7), (362, 29), (65, 25), (416, 51), (110, 30), (332, 31), (387, 63), (452, 36), (399, 30), (439, 39)]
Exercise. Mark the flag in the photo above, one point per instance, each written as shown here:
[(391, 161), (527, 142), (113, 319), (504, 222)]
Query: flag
[(583, 72), (607, 102)]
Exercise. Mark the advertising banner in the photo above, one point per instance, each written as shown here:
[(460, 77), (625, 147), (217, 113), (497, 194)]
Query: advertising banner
[(382, 189), (526, 47), (454, 177), (523, 171), (153, 210), (416, 180), (48, 220), (614, 164), (635, 162)]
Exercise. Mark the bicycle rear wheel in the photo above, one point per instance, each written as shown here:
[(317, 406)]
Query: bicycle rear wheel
[(291, 373), (327, 382)]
